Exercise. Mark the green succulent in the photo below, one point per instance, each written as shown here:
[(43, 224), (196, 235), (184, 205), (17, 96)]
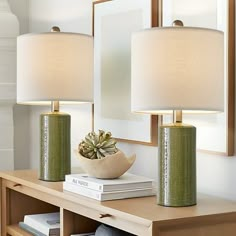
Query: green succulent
[(97, 146)]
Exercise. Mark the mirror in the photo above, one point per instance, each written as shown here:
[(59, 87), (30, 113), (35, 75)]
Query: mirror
[(114, 22), (215, 132)]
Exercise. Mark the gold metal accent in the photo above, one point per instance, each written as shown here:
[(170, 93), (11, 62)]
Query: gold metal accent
[(17, 185), (55, 106), (104, 215), (177, 23), (177, 116), (55, 29)]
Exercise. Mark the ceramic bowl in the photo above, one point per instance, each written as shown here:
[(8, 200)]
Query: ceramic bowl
[(109, 167)]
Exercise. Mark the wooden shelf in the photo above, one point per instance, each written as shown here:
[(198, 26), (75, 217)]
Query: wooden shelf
[(15, 230), (22, 193)]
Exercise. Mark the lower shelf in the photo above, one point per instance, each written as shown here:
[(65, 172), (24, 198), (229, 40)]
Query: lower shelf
[(15, 230)]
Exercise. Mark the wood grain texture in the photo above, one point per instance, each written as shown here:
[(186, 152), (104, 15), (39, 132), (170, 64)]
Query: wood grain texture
[(19, 203), (4, 207), (67, 223), (140, 216), (1, 212), (15, 230), (231, 79), (72, 223)]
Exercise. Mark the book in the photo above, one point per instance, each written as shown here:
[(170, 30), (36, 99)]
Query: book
[(125, 182), (48, 224), (31, 230), (104, 196), (109, 230)]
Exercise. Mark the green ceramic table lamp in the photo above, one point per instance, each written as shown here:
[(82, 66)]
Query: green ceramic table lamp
[(177, 69), (54, 67)]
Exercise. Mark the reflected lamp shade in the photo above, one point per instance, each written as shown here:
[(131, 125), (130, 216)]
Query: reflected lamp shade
[(54, 67), (175, 69)]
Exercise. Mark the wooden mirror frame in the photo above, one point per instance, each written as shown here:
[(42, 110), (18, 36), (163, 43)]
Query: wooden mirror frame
[(231, 79)]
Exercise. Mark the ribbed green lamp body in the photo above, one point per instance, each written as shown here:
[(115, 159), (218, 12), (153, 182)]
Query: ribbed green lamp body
[(55, 152), (177, 165)]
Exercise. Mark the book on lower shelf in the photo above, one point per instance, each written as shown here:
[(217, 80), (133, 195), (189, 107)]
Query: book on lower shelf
[(30, 229), (47, 224), (105, 196), (125, 182)]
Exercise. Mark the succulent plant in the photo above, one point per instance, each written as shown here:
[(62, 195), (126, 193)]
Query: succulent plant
[(97, 146)]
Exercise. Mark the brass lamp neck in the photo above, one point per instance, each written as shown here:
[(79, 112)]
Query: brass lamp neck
[(177, 116), (55, 106)]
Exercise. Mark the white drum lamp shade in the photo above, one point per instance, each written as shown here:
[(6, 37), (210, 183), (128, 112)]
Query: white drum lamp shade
[(54, 66), (177, 68)]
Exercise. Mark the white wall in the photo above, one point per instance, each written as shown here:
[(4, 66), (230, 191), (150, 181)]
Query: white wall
[(22, 133), (21, 9), (21, 113), (70, 16), (9, 30), (216, 174)]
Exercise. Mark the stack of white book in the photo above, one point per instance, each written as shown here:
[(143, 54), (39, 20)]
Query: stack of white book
[(42, 224), (127, 186)]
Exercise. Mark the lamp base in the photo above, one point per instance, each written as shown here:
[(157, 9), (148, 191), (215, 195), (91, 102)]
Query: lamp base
[(177, 165), (55, 152)]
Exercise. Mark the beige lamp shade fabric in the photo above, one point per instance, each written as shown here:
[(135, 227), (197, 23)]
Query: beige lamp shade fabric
[(177, 68), (54, 66)]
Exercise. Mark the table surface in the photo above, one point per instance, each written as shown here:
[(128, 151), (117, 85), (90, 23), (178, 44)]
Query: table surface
[(144, 208)]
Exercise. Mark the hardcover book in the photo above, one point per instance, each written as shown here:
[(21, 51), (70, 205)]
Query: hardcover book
[(125, 182), (48, 224), (104, 196), (31, 230)]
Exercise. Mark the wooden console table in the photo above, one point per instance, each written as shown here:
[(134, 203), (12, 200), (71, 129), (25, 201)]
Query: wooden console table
[(22, 193)]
